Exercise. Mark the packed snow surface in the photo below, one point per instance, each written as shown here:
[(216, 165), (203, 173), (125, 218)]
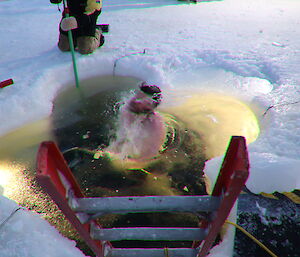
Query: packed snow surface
[(26, 234), (246, 49)]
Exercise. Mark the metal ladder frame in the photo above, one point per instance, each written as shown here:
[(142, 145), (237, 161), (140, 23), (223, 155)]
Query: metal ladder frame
[(56, 179)]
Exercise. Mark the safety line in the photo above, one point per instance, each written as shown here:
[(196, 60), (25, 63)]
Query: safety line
[(252, 237)]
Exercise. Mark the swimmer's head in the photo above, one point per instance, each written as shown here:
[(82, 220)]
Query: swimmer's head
[(145, 100), (153, 91)]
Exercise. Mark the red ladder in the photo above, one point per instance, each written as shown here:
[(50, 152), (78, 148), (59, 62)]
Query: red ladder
[(56, 178)]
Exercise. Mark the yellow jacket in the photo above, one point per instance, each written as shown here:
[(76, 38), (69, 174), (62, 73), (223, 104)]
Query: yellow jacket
[(82, 6), (92, 6)]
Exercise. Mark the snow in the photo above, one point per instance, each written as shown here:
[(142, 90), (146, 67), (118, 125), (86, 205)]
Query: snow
[(245, 49), (26, 234)]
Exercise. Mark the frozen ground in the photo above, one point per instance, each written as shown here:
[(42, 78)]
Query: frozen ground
[(246, 49)]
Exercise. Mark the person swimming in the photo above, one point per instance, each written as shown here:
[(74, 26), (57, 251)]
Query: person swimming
[(151, 153), (141, 130)]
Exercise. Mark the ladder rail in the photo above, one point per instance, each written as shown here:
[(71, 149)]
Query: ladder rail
[(230, 182), (56, 178)]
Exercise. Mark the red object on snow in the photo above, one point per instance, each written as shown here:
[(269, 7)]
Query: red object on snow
[(6, 83)]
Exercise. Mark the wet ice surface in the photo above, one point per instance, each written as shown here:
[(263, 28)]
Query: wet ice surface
[(274, 222)]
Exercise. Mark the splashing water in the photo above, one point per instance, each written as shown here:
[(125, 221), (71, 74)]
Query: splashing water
[(141, 131)]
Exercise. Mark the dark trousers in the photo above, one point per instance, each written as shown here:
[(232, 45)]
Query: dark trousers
[(86, 24)]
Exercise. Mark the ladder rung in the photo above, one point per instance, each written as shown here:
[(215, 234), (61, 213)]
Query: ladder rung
[(170, 252), (141, 204), (149, 233)]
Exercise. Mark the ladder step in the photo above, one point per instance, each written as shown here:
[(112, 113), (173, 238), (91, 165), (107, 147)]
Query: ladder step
[(153, 252), (148, 233), (140, 204)]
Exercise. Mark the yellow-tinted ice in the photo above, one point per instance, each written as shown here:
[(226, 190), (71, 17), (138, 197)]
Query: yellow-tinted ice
[(216, 117)]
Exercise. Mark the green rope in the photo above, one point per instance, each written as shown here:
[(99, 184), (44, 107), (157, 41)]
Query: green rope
[(71, 43), (73, 57)]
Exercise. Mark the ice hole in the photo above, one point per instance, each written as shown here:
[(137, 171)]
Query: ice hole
[(86, 117)]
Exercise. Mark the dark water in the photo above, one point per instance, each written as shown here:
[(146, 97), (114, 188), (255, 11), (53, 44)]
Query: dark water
[(18, 149), (87, 117)]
